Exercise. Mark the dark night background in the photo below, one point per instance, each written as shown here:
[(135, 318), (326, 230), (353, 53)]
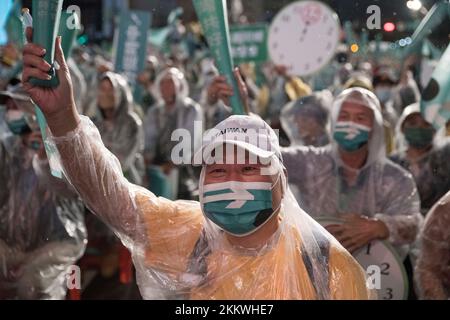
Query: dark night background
[(98, 22)]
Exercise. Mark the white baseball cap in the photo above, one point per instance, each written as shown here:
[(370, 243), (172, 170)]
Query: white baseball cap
[(248, 132)]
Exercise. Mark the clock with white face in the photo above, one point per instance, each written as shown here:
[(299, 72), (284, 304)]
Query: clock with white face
[(384, 269), (304, 36)]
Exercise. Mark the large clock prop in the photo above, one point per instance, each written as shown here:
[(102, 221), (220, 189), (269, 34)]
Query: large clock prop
[(379, 259), (304, 36)]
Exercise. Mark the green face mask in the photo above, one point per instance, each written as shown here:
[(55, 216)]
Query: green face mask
[(351, 136), (16, 122), (419, 137), (239, 208)]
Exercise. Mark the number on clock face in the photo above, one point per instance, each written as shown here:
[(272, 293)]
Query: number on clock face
[(390, 270), (307, 34), (384, 269)]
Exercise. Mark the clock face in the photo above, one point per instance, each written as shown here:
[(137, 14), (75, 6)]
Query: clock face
[(384, 270), (304, 36)]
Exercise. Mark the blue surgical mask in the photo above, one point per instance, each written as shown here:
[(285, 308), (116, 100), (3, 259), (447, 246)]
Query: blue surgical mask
[(351, 136), (239, 208), (16, 122), (383, 94)]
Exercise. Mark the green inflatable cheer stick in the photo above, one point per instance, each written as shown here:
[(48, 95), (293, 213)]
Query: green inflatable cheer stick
[(68, 30), (214, 20), (50, 149), (47, 14)]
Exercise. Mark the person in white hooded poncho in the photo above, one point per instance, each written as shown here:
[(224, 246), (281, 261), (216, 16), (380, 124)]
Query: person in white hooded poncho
[(305, 120), (120, 127), (353, 179), (174, 110), (424, 155), (246, 239)]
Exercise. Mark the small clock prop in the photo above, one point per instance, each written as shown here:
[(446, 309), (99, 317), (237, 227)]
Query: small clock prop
[(384, 270), (304, 36)]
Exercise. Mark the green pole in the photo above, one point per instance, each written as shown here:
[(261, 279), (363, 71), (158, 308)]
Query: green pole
[(214, 20)]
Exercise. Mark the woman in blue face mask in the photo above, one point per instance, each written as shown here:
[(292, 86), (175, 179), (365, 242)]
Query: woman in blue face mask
[(417, 153)]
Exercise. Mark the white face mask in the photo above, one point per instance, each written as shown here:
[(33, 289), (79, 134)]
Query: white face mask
[(13, 115), (383, 94)]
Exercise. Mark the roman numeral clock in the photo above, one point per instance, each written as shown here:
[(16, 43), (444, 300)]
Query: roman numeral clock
[(304, 36)]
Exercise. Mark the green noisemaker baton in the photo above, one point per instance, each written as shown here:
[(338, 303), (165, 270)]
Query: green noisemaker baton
[(50, 149), (68, 30), (47, 14), (213, 18)]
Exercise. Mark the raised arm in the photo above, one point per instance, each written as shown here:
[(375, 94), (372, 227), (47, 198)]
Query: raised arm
[(93, 171)]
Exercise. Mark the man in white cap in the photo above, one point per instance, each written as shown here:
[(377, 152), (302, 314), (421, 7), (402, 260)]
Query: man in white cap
[(246, 239)]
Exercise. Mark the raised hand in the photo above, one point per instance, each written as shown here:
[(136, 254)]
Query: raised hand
[(220, 89), (57, 103)]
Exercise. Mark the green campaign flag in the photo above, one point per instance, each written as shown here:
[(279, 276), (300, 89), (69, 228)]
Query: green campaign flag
[(69, 27), (158, 37), (249, 43), (13, 25), (364, 42), (435, 104), (430, 50), (350, 37), (213, 18), (130, 50), (46, 17)]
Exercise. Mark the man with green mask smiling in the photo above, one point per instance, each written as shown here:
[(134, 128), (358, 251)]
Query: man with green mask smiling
[(246, 239), (418, 153), (353, 180)]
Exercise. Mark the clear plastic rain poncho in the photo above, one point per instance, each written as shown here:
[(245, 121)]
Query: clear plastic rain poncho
[(79, 84), (406, 93), (42, 231), (124, 135), (305, 120), (213, 114), (161, 122), (432, 273), (179, 253), (431, 171), (382, 189)]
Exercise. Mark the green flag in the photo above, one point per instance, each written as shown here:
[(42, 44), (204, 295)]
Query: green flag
[(249, 43), (158, 37), (435, 104), (213, 18), (68, 30), (430, 50), (350, 37), (46, 17), (130, 50), (13, 25)]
